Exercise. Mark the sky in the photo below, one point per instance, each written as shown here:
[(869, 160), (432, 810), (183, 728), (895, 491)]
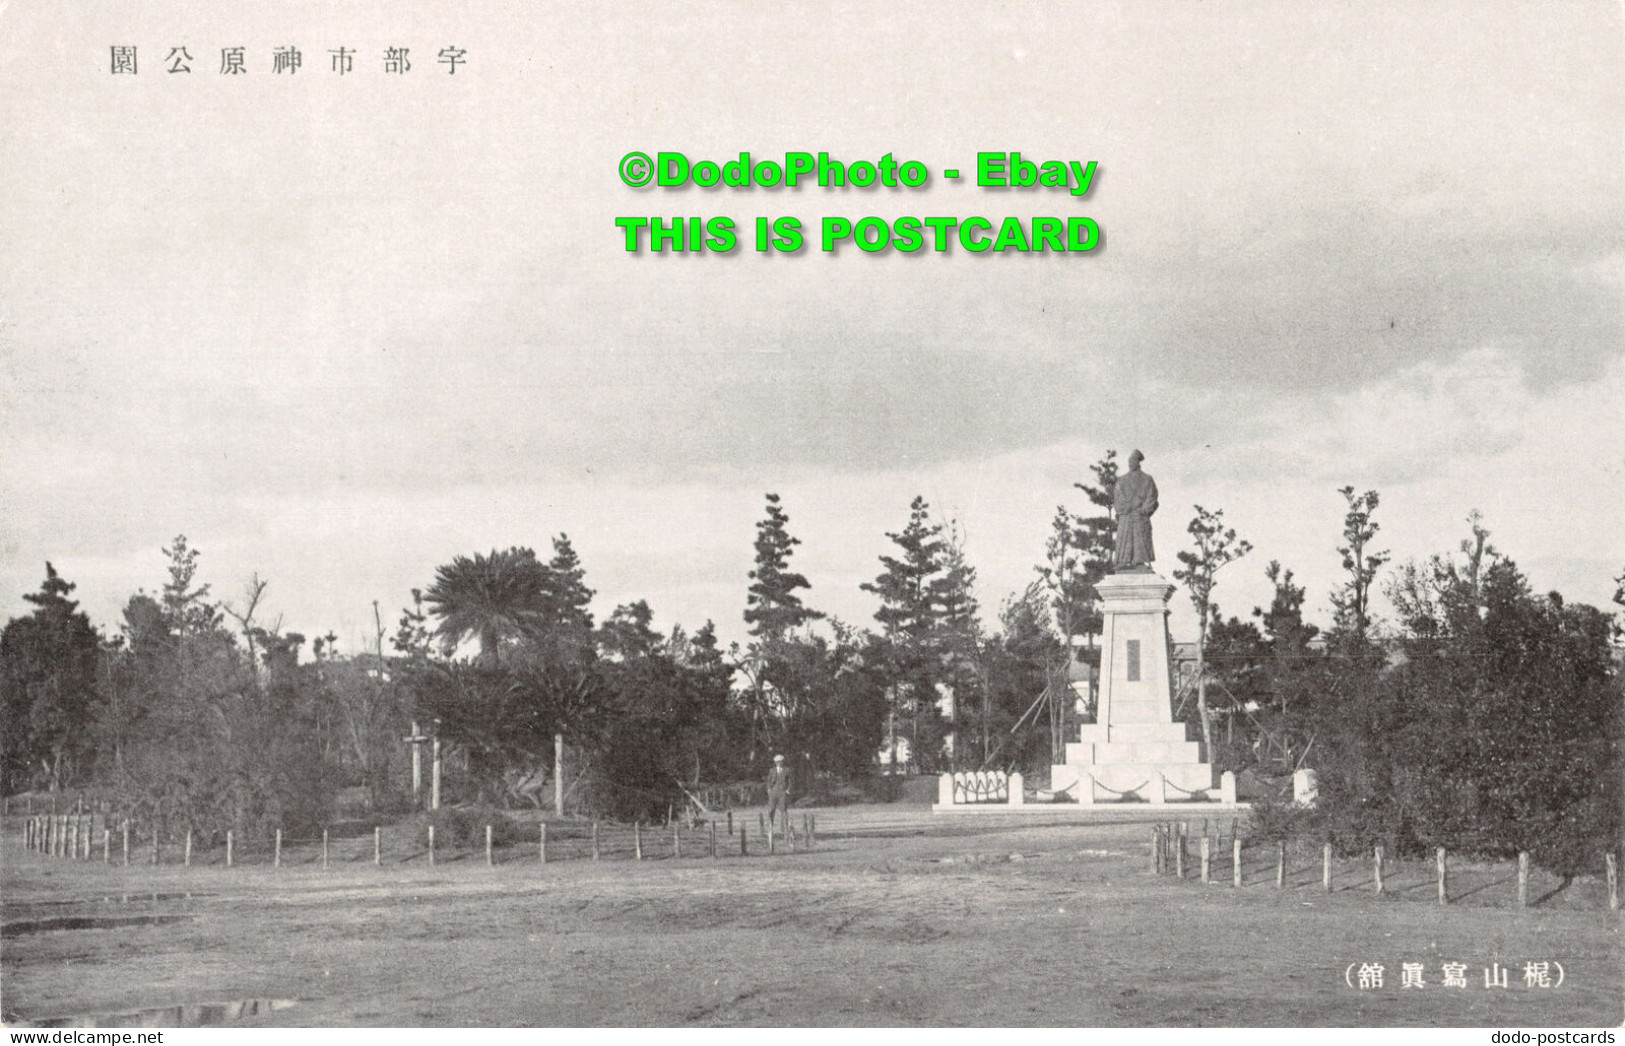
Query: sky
[(339, 328)]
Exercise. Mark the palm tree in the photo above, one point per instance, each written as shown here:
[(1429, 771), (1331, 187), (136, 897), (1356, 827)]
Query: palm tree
[(491, 598)]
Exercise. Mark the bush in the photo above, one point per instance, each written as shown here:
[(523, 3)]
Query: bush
[(463, 827)]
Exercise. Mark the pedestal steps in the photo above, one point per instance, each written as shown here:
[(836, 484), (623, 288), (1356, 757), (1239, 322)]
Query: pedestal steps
[(1181, 779)]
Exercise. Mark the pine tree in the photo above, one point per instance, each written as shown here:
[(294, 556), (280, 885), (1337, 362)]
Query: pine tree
[(47, 686), (186, 609), (1293, 675), (568, 594), (1351, 602), (909, 616), (1216, 547), (772, 608)]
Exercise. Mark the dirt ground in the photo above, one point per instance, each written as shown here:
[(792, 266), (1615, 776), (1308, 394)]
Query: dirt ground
[(898, 917)]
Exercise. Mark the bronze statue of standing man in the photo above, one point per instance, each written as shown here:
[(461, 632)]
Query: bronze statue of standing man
[(1134, 501)]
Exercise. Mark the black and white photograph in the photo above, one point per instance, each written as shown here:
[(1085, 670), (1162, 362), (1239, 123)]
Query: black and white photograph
[(791, 515)]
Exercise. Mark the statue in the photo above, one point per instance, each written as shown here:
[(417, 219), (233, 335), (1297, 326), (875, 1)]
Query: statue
[(1134, 500)]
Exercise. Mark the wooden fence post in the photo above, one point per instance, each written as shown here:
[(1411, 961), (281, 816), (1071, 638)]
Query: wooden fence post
[(1523, 878), (1156, 849), (155, 855), (1376, 861), (1235, 861), (276, 850), (637, 840), (761, 823), (1280, 864), (711, 846), (730, 822), (1179, 852), (107, 845), (230, 848), (1439, 861), (676, 840), (1613, 882), (126, 831), (377, 844), (812, 831), (595, 840), (324, 849), (431, 845), (744, 848), (542, 844), (1326, 867), (488, 859), (1206, 858), (188, 848)]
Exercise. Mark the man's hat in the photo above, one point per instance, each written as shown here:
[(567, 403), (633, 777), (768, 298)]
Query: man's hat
[(778, 759)]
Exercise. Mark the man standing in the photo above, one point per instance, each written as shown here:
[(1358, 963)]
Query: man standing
[(1134, 499), (778, 792)]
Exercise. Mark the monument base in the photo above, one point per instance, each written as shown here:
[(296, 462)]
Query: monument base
[(1136, 752)]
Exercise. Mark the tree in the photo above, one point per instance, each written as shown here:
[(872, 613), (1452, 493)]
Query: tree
[(1096, 539), (1018, 666), (568, 596), (1066, 574), (206, 736), (1439, 598), (1236, 658), (835, 702), (1351, 602), (1292, 676), (1216, 547), (186, 609), (774, 612), (1501, 735), (493, 598), (908, 615), (48, 687), (772, 607), (626, 636)]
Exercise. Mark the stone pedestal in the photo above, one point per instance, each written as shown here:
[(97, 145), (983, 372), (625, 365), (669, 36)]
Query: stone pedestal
[(1134, 746)]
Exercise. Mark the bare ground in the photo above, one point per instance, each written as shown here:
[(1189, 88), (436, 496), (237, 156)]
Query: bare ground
[(898, 918)]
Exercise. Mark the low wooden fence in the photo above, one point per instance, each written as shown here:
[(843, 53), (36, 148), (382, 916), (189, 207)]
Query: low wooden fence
[(1172, 853), (96, 837)]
